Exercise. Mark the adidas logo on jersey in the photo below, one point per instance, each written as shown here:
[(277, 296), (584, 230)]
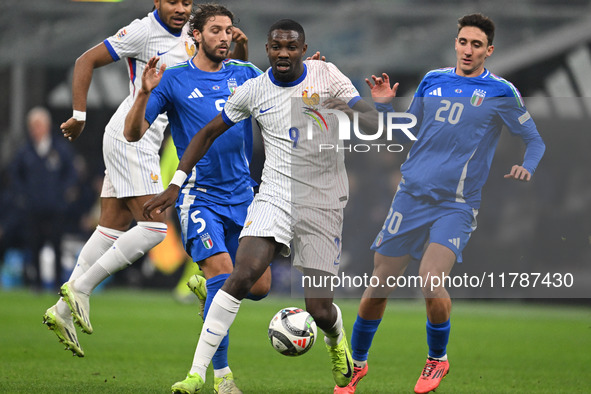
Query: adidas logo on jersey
[(195, 94), (435, 92), (455, 242)]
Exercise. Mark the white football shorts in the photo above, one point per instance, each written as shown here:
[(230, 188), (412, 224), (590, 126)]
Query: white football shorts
[(314, 233), (130, 170)]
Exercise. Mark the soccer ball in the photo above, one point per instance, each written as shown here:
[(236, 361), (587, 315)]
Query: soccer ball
[(292, 331)]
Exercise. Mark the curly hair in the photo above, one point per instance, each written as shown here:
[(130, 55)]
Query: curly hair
[(204, 12)]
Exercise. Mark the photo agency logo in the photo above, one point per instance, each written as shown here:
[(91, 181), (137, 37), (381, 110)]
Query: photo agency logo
[(336, 130)]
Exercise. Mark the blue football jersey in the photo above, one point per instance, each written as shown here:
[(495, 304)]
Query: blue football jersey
[(459, 121), (191, 98)]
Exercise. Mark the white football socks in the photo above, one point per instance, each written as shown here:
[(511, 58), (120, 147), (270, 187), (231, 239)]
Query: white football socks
[(220, 317), (99, 242), (359, 364), (333, 336), (220, 373), (130, 246)]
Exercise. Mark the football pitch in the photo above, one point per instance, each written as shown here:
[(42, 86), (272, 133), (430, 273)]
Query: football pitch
[(144, 341)]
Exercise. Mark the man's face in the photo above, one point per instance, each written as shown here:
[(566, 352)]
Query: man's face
[(286, 50), (472, 49), (215, 39), (39, 128), (174, 13)]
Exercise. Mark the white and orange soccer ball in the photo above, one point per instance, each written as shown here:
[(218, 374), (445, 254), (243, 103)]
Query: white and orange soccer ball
[(292, 331)]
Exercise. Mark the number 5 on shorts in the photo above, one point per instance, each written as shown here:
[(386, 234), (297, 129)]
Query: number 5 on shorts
[(198, 221)]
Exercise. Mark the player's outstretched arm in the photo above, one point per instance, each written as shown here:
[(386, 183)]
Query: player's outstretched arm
[(240, 50), (95, 57), (196, 149), (518, 173), (368, 116), (135, 121)]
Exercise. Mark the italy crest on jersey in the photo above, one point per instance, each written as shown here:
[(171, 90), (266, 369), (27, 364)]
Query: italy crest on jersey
[(207, 242), (477, 97), (379, 239), (232, 84)]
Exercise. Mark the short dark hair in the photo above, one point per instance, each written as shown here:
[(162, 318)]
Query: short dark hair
[(203, 12), (287, 24), (480, 21)]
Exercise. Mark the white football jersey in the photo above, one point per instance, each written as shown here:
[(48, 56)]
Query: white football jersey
[(294, 128), (137, 43)]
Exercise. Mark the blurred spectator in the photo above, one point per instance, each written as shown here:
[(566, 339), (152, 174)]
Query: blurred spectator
[(11, 235), (43, 180)]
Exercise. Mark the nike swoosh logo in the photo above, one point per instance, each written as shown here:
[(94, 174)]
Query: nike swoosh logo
[(349, 372), (212, 333), (161, 53), (262, 111)]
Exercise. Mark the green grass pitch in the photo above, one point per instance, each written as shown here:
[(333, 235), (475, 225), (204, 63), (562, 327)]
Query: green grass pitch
[(144, 341)]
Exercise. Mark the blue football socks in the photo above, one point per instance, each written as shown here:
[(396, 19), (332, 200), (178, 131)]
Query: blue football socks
[(437, 338), (362, 337)]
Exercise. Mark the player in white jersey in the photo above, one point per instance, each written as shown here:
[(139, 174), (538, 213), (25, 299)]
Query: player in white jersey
[(132, 173), (302, 194)]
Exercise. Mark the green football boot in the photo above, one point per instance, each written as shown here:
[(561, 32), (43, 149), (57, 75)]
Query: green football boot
[(225, 385), (79, 305), (342, 362), (197, 285), (64, 329), (192, 384)]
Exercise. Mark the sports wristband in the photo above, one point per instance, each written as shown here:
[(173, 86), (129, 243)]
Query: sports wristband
[(178, 178), (80, 116)]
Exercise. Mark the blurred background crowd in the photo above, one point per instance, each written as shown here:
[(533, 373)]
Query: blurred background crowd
[(49, 188)]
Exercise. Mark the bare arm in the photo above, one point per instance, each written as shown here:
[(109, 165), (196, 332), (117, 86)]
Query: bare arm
[(368, 116), (380, 93), (240, 40), (95, 57), (135, 121), (196, 149)]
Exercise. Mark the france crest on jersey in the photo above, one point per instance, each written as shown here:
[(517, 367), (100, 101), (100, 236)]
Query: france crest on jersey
[(191, 98), (459, 121)]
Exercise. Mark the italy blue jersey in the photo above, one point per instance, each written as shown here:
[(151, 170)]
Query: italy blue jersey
[(191, 98), (459, 121)]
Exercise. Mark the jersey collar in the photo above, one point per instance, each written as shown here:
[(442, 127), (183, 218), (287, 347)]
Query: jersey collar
[(287, 84), (484, 74), (176, 34), (193, 66)]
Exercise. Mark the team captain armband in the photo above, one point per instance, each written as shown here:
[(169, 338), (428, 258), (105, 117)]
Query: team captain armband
[(178, 178)]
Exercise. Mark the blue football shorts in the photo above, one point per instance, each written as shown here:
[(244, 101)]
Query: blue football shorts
[(210, 229), (412, 222)]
